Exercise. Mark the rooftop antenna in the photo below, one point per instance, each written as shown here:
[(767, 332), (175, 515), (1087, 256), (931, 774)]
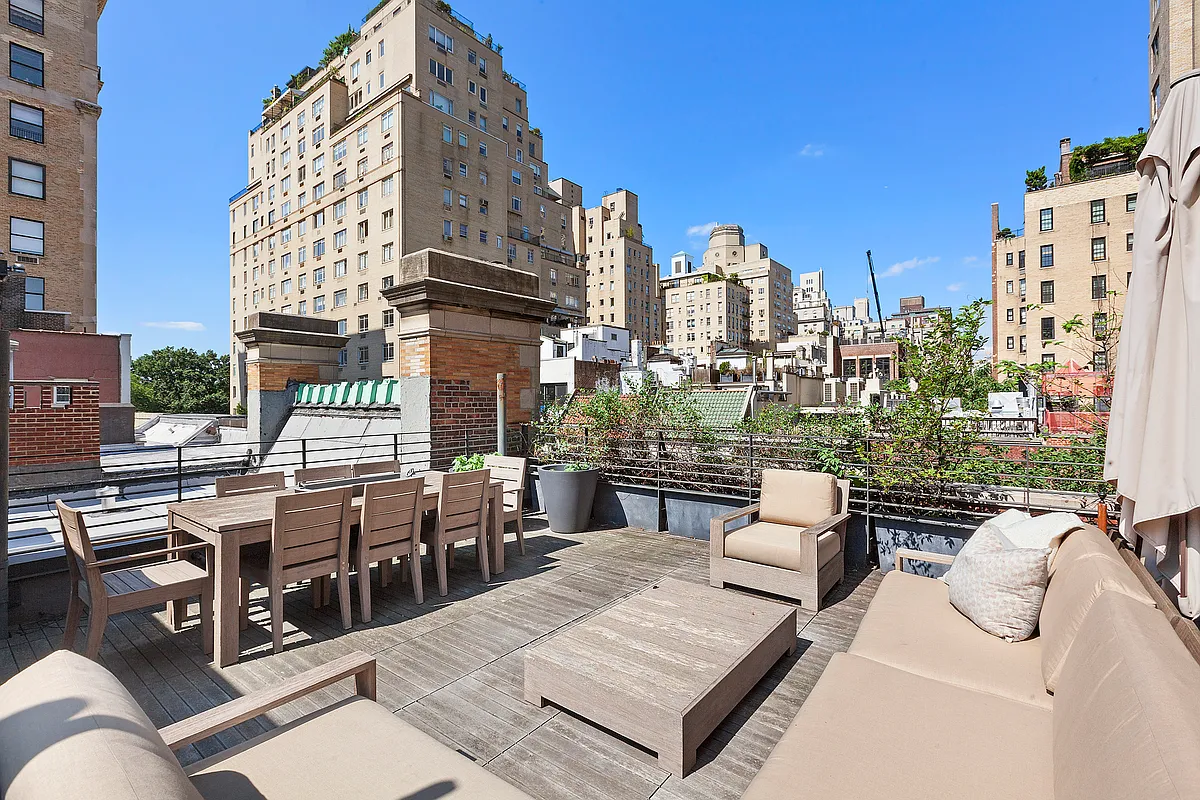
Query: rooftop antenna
[(875, 287)]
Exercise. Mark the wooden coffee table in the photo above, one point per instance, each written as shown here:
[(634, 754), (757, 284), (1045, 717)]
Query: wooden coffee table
[(662, 667)]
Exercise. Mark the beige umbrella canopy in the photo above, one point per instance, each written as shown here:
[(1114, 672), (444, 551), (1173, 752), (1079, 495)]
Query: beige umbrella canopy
[(1154, 430)]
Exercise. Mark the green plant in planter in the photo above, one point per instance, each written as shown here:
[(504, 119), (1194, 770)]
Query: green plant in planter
[(578, 466), (468, 463), (338, 45)]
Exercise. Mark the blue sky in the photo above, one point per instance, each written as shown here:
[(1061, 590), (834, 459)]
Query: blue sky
[(824, 129)]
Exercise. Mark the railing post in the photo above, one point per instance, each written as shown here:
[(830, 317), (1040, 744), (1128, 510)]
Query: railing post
[(304, 454), (501, 413), (179, 474), (750, 467), (395, 447)]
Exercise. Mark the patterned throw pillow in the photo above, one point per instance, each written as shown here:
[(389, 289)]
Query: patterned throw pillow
[(986, 539), (1001, 591)]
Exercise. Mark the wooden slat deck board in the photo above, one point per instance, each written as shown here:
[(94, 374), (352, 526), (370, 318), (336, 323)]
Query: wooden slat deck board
[(454, 667)]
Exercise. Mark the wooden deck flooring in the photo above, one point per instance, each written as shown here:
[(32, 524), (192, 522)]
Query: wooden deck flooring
[(453, 666)]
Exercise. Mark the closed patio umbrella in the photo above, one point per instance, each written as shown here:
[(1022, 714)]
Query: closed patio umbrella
[(1153, 449)]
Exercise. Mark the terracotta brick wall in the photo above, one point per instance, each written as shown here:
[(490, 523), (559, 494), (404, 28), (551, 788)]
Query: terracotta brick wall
[(475, 363), (462, 419), (54, 435), (273, 377)]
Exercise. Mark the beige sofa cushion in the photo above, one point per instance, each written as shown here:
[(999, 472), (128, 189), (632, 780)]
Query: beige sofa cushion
[(354, 749), (70, 731), (868, 730), (797, 498), (1127, 711), (778, 545), (1086, 565), (911, 625)]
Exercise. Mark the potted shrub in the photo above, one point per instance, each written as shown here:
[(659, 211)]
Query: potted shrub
[(567, 492)]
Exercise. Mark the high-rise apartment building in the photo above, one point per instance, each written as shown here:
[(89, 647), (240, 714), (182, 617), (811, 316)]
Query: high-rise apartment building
[(414, 137), (814, 313), (772, 319), (704, 309), (1071, 261), (1173, 46), (622, 278), (50, 97)]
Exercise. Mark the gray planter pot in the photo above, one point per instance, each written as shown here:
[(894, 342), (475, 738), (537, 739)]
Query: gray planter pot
[(619, 505), (930, 535), (567, 496), (690, 513)]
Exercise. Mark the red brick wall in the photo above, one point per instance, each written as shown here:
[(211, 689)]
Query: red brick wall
[(50, 435), (462, 419), (475, 363)]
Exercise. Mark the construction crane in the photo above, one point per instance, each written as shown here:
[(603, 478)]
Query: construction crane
[(875, 287)]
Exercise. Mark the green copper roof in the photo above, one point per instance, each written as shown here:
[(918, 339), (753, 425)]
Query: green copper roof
[(721, 408), (349, 395)]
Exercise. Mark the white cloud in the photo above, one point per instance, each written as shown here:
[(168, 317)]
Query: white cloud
[(970, 259), (182, 325), (904, 266), (698, 231), (954, 287), (813, 150)]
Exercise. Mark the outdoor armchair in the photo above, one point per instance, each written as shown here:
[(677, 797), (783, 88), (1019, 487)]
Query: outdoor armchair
[(253, 483), (795, 542)]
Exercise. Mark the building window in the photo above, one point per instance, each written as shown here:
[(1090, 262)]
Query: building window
[(26, 178), (389, 318), (1047, 328), (516, 177), (339, 298), (364, 356), (1099, 324), (1021, 260), (339, 268), (1099, 287), (318, 304), (1046, 220), (1129, 242), (1099, 249), (27, 14), (443, 42), (1008, 259), (363, 323), (1047, 255), (26, 65), (27, 236), (516, 204), (441, 103), (1009, 316), (388, 352), (1130, 203), (1100, 361), (25, 122), (387, 253), (1048, 358), (387, 120), (1047, 292), (62, 395), (1097, 212), (35, 294), (1008, 287)]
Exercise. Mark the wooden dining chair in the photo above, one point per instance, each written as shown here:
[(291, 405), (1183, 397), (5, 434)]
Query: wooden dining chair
[(330, 472), (511, 471), (461, 516), (236, 485), (391, 526), (375, 468), (105, 593), (310, 539)]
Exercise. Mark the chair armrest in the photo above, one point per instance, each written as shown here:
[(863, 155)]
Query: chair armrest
[(235, 712), (166, 551), (104, 541), (827, 524), (903, 554), (716, 528)]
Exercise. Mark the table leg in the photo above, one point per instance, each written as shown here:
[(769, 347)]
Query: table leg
[(176, 609), (497, 526), (228, 588)]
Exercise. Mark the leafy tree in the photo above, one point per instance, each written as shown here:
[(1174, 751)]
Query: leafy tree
[(1035, 179), (179, 380), (1082, 158), (338, 44)]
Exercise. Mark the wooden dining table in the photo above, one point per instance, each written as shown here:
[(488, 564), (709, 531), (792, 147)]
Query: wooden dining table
[(229, 523)]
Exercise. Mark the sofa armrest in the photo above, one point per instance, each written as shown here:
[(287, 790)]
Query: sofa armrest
[(904, 554), (716, 528), (235, 712)]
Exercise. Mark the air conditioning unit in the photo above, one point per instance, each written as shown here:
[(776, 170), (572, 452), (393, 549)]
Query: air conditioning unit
[(446, 238)]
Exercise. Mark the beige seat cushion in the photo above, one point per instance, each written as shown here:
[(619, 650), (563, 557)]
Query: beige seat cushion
[(354, 749), (797, 498), (778, 545), (911, 625), (1127, 711), (1086, 565), (70, 731), (871, 731)]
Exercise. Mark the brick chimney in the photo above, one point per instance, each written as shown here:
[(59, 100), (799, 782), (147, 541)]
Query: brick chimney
[(1064, 161)]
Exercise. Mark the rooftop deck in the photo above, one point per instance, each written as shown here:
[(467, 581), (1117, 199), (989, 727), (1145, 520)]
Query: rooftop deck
[(453, 667)]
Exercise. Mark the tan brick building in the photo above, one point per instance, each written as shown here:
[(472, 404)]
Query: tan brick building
[(1071, 260), (49, 94), (704, 309), (622, 278), (1173, 46), (414, 138)]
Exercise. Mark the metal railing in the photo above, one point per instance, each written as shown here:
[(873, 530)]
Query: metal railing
[(127, 490)]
